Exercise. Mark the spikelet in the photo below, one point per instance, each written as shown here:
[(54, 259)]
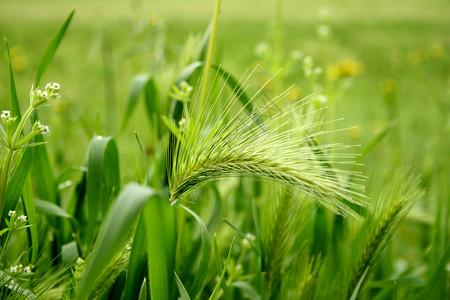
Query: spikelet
[(271, 143)]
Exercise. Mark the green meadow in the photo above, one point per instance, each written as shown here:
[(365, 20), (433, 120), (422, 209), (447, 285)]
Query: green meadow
[(233, 150)]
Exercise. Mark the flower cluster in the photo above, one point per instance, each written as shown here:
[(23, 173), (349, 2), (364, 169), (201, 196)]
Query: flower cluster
[(18, 269), (39, 128), (38, 97)]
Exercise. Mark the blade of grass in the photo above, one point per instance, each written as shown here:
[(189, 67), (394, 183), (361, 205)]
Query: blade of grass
[(17, 182), (202, 270), (437, 285), (161, 240), (222, 275), (30, 211), (183, 293), (144, 159), (103, 179), (137, 266), (248, 290), (51, 49), (137, 86), (376, 140), (113, 233), (13, 100)]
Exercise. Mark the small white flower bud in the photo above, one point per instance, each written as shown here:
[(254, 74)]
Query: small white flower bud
[(6, 114), (22, 218), (11, 213)]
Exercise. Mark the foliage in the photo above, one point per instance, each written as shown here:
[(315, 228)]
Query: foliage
[(243, 193)]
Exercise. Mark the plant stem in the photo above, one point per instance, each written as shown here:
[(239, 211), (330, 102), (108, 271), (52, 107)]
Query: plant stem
[(209, 57), (4, 180), (20, 127)]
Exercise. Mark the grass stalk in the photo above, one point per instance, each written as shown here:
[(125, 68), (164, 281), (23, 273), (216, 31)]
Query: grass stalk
[(209, 58)]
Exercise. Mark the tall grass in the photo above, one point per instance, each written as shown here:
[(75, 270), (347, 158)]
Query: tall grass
[(242, 194)]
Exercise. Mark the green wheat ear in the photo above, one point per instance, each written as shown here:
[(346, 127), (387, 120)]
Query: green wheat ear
[(278, 149), (393, 196)]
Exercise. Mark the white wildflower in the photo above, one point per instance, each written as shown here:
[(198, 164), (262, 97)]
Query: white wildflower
[(22, 218), (6, 114), (11, 213)]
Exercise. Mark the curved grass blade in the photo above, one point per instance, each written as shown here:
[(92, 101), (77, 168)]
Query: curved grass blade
[(13, 100), (137, 85), (114, 232), (222, 275), (42, 172), (204, 44), (437, 286), (30, 211), (51, 49), (161, 243), (51, 209), (248, 290), (17, 182), (202, 270), (103, 179), (376, 140), (188, 72), (137, 266), (183, 293), (144, 159)]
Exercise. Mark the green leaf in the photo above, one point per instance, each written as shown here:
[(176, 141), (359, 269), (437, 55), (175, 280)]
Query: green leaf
[(137, 85), (114, 232), (17, 181), (13, 100), (30, 211), (150, 97), (183, 293), (42, 172), (69, 253), (248, 290), (161, 242), (137, 266), (201, 55), (202, 270), (222, 275), (103, 179), (172, 127), (376, 140), (144, 159), (188, 72), (51, 49), (437, 285), (2, 135), (51, 209)]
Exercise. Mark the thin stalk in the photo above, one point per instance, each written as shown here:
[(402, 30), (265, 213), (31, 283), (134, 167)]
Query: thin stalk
[(20, 127), (209, 57)]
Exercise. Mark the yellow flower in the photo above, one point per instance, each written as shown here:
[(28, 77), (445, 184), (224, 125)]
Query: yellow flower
[(389, 86), (344, 69), (437, 50), (416, 56)]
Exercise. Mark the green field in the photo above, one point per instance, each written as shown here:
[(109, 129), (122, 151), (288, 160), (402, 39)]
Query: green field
[(268, 180)]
